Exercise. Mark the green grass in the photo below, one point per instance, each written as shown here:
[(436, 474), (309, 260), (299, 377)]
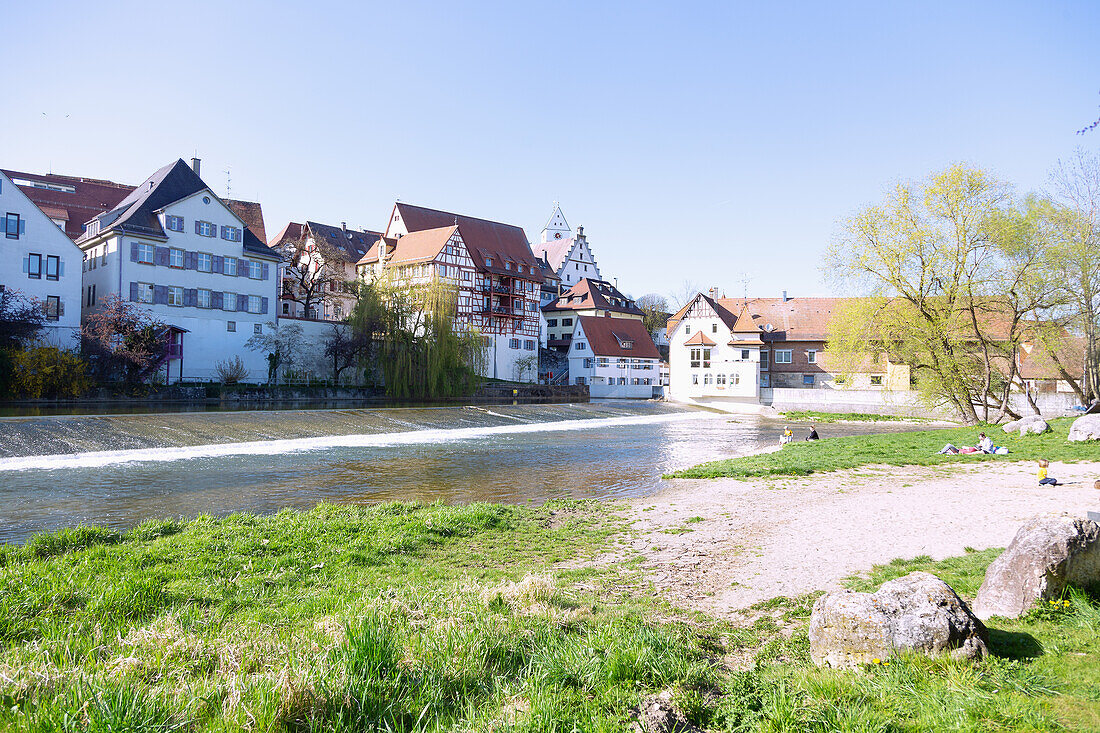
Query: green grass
[(914, 448), (411, 617), (814, 416)]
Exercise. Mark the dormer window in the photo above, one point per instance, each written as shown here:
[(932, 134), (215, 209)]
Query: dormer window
[(507, 265), (626, 344), (488, 261), (173, 223)]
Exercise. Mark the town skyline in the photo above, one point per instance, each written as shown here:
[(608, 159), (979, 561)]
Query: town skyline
[(744, 146)]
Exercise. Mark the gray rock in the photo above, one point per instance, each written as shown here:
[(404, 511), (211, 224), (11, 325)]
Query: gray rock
[(1086, 427), (1048, 553), (657, 714), (1030, 425), (917, 613)]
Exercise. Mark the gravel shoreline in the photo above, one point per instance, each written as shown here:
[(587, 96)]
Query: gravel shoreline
[(720, 545)]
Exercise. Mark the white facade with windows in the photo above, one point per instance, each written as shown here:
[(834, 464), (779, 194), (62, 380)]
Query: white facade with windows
[(711, 363), (616, 358), (187, 264), (39, 261)]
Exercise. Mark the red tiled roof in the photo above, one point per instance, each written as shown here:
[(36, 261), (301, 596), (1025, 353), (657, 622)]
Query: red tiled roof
[(252, 214), (795, 319), (484, 239), (607, 335), (421, 246), (1035, 362), (89, 197), (699, 339), (589, 293)]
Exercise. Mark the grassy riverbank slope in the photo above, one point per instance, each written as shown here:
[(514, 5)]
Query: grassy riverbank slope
[(915, 448), (482, 617)]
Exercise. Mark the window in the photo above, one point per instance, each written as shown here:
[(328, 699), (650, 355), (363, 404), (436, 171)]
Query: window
[(286, 309), (95, 260), (529, 344), (229, 301), (708, 378), (173, 223), (622, 380), (231, 326), (206, 229), (175, 296), (53, 307), (745, 354), (145, 292), (229, 266), (764, 380), (175, 257), (706, 358), (587, 363), (579, 380), (204, 262), (203, 298), (811, 356), (735, 379), (103, 256), (257, 328), (255, 270), (507, 265), (488, 261), (876, 381), (687, 329), (714, 328), (763, 359), (581, 346), (145, 253), (782, 356), (255, 303), (567, 322), (720, 379), (34, 266), (513, 343), (231, 234), (552, 322), (808, 380), (696, 358), (695, 379), (53, 267), (13, 226)]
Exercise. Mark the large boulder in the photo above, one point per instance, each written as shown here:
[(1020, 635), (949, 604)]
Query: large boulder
[(1086, 427), (1048, 553), (1030, 425), (916, 613)]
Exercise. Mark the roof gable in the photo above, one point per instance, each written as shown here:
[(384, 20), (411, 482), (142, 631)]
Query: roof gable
[(699, 339), (73, 199), (621, 337), (591, 293), (47, 227), (500, 243)]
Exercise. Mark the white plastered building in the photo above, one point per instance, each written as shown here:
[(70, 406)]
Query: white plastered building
[(570, 256), (615, 357), (40, 262), (175, 249)]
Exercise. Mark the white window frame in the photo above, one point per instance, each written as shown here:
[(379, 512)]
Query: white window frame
[(145, 292), (811, 356), (255, 304), (783, 356), (171, 219), (204, 298), (207, 229), (202, 258), (175, 296), (229, 302), (255, 270), (229, 266), (143, 247), (176, 257)]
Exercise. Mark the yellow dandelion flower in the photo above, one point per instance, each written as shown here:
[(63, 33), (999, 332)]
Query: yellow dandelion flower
[(876, 660)]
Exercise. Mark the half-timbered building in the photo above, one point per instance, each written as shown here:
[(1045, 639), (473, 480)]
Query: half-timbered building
[(497, 278)]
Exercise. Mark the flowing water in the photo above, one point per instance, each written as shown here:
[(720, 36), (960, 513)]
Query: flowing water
[(120, 470)]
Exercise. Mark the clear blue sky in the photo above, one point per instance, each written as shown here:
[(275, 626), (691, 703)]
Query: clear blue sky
[(694, 141)]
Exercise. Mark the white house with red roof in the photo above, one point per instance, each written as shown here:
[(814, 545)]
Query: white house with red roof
[(497, 278), (615, 357), (40, 263)]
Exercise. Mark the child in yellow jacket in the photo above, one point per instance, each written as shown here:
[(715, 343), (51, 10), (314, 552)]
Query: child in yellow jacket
[(1045, 480)]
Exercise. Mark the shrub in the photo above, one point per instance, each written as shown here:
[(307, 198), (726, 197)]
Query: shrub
[(47, 371), (231, 371)]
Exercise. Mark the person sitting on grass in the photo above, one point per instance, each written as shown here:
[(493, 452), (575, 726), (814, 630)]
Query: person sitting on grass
[(985, 443), (813, 434), (1045, 480)]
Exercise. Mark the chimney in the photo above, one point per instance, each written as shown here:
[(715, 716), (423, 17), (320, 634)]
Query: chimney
[(713, 293), (785, 298), (196, 165), (343, 226)]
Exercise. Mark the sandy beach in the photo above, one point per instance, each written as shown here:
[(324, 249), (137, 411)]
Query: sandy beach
[(720, 545)]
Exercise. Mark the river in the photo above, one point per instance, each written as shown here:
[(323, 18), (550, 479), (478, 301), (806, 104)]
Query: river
[(119, 470)]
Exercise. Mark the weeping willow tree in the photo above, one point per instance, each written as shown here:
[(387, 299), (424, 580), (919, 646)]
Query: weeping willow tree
[(414, 340)]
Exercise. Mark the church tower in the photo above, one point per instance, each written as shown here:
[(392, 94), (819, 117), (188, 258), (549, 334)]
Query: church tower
[(556, 228)]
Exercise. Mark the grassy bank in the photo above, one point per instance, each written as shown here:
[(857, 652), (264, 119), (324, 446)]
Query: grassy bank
[(914, 448), (430, 618), (825, 418)]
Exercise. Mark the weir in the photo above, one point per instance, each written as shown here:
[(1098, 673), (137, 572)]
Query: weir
[(83, 434)]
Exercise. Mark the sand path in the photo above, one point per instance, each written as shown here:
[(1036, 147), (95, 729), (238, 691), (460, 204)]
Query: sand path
[(783, 537)]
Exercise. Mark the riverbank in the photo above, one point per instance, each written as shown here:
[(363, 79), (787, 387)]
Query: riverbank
[(481, 617), (912, 448)]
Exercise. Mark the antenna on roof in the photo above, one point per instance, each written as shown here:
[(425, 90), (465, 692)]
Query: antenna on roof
[(228, 183), (745, 286)]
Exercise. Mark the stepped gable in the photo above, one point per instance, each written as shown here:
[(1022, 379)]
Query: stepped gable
[(606, 337), (73, 199), (484, 239), (591, 293), (137, 213)]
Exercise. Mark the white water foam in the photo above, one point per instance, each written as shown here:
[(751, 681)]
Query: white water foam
[(299, 445)]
